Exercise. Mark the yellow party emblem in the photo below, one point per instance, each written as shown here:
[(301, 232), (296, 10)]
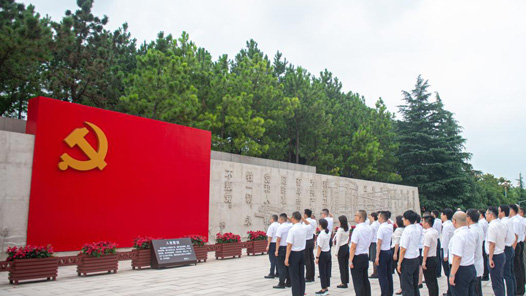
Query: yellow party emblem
[(95, 157)]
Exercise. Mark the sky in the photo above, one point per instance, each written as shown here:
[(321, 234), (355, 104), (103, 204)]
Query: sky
[(473, 52)]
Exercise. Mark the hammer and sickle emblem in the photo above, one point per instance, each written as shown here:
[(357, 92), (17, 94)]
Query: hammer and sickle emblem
[(96, 158)]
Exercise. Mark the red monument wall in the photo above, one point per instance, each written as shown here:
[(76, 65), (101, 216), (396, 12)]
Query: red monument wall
[(103, 175)]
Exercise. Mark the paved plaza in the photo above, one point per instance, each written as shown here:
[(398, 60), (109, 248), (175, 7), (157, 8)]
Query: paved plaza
[(242, 277)]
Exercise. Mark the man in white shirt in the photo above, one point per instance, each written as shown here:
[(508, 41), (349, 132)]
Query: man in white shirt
[(484, 225), (358, 254), (295, 258), (384, 254), (373, 219), (478, 234), (494, 248), (430, 260), (447, 233), (437, 225), (309, 248), (462, 257), (281, 251), (518, 265), (509, 250), (271, 246), (409, 262)]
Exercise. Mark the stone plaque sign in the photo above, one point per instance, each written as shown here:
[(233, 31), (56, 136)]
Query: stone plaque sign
[(172, 252)]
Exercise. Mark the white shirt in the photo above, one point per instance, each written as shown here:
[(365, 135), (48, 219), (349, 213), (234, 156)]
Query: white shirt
[(463, 245), (330, 224), (524, 226), (385, 233), (421, 241), (296, 237), (310, 231), (341, 238), (478, 234), (484, 225), (362, 236), (323, 241), (518, 227), (510, 232), (397, 235), (431, 241), (447, 233), (437, 225), (496, 234), (374, 228), (271, 231), (410, 240), (282, 233)]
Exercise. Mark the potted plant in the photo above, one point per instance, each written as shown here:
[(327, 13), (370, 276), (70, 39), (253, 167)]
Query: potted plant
[(142, 249), (200, 250), (230, 245), (258, 241), (32, 262), (98, 257)]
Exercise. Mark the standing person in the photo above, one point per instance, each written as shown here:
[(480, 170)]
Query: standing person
[(358, 254), (518, 267), (494, 248), (510, 242), (295, 257), (325, 214), (309, 246), (484, 225), (281, 251), (430, 260), (373, 219), (447, 233), (323, 256), (395, 244), (341, 242), (271, 246), (462, 258), (478, 234), (437, 225), (408, 262), (384, 255)]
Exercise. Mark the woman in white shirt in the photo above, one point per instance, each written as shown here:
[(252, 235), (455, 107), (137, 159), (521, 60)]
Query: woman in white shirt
[(323, 256), (341, 243), (396, 244)]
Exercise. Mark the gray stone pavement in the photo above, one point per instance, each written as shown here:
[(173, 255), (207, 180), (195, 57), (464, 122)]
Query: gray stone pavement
[(241, 277)]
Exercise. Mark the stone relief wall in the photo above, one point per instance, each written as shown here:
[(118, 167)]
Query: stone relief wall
[(243, 197)]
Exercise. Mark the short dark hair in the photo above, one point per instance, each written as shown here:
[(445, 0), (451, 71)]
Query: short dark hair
[(399, 221), (324, 224), (448, 212), (308, 213), (483, 213), (494, 211), (435, 213), (384, 215), (388, 214), (473, 214), (362, 214), (410, 215), (418, 218), (429, 220), (326, 211), (275, 218), (296, 215), (283, 215), (505, 209), (514, 208), (374, 215)]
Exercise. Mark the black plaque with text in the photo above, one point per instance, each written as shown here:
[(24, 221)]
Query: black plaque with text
[(172, 252)]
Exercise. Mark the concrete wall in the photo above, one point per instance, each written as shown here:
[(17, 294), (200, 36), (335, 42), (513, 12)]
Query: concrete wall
[(16, 161), (12, 125)]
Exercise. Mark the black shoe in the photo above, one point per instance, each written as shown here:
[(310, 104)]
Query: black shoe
[(288, 285), (342, 286), (309, 280), (399, 293), (373, 276), (420, 286), (270, 276), (321, 292), (279, 287), (485, 279)]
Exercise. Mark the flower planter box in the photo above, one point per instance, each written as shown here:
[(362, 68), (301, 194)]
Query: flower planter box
[(30, 269), (257, 247), (142, 258), (229, 250), (107, 263), (201, 253)]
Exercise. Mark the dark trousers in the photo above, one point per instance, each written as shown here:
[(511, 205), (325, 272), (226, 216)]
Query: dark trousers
[(343, 262), (360, 278), (430, 275), (464, 281), (439, 266), (409, 283), (497, 274), (385, 277), (509, 277), (309, 260), (272, 258), (518, 266), (478, 286), (297, 272), (284, 277), (447, 267), (485, 275), (323, 265)]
